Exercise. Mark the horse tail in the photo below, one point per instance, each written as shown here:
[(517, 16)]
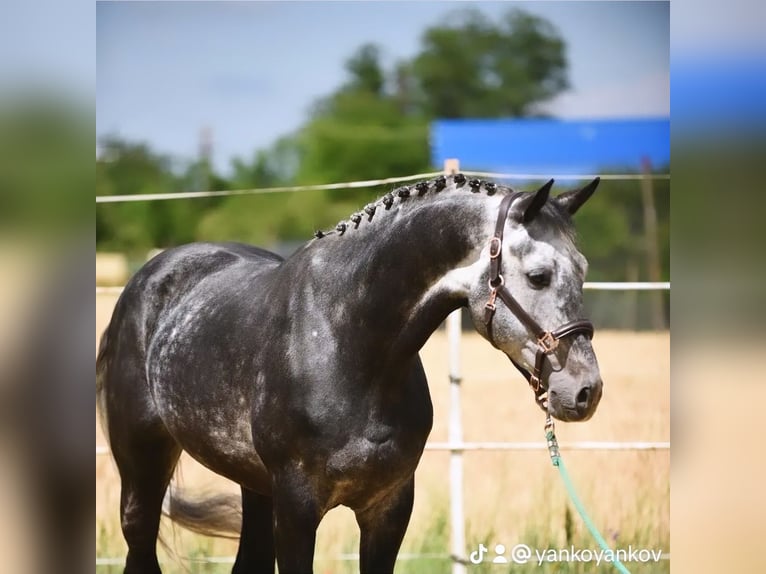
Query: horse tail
[(218, 515)]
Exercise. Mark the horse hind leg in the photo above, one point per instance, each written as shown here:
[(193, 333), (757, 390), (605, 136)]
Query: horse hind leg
[(146, 465), (145, 452), (146, 456), (256, 544)]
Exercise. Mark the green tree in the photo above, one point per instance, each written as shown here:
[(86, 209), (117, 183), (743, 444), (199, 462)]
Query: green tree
[(262, 218), (123, 169), (365, 70), (361, 136), (479, 69), (126, 168), (361, 131), (43, 139)]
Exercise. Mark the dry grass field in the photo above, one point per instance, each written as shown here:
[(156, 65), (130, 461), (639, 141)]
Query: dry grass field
[(510, 497)]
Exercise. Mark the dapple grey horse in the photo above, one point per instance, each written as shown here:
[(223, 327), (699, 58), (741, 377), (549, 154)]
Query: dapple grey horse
[(299, 379)]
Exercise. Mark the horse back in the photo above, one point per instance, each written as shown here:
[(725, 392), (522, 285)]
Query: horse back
[(167, 278)]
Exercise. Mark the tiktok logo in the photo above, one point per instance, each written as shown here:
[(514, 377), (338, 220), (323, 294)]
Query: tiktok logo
[(477, 556)]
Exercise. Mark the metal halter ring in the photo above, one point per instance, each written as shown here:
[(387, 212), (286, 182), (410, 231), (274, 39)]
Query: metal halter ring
[(548, 342)]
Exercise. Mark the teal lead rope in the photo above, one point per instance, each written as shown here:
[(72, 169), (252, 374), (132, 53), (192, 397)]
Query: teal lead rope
[(553, 450)]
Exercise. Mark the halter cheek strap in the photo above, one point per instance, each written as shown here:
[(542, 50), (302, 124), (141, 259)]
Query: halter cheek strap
[(547, 341)]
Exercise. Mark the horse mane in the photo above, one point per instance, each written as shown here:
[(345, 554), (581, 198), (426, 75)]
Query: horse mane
[(552, 214)]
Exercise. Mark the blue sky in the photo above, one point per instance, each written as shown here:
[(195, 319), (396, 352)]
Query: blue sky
[(250, 71)]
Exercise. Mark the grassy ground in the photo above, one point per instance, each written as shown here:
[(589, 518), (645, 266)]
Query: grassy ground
[(510, 497)]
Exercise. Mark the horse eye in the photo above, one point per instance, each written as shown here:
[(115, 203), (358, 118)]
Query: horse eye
[(539, 279)]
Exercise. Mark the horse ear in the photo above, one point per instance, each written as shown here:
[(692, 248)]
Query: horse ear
[(535, 202), (573, 199)]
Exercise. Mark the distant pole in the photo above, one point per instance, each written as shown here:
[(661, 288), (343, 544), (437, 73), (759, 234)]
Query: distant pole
[(205, 155), (631, 319), (651, 244), (457, 514)]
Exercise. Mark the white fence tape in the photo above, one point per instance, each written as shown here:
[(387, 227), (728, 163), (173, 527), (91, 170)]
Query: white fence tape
[(368, 183), (261, 190), (567, 176)]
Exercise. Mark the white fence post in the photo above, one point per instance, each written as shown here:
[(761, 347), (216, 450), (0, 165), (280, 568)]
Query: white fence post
[(457, 515)]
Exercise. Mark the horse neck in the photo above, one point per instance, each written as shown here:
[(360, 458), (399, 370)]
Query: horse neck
[(390, 272)]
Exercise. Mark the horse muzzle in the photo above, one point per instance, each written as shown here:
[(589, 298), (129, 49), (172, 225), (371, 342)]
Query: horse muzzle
[(574, 401)]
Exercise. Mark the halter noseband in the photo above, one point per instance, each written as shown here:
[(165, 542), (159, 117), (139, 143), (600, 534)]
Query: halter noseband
[(547, 341)]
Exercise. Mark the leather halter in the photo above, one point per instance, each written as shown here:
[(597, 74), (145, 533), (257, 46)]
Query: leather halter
[(547, 341)]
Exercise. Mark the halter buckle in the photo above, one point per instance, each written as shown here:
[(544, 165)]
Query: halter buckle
[(535, 382), (548, 342), (489, 309), (495, 247)]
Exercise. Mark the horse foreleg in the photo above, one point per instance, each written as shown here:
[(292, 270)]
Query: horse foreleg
[(256, 542), (296, 518), (382, 527)]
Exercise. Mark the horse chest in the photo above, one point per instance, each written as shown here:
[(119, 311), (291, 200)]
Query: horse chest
[(378, 450), (376, 454), (364, 469)]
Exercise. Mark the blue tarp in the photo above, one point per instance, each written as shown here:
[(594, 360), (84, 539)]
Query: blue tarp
[(545, 146), (719, 91)]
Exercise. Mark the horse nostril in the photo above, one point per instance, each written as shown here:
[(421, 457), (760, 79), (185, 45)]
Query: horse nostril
[(583, 397)]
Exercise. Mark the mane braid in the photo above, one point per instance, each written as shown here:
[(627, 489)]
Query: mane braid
[(405, 192), (551, 214)]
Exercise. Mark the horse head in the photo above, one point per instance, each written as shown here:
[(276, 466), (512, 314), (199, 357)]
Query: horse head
[(526, 298)]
